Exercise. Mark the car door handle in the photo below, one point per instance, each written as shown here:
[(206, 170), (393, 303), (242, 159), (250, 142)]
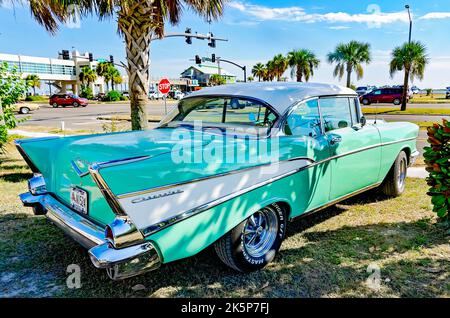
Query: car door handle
[(335, 140)]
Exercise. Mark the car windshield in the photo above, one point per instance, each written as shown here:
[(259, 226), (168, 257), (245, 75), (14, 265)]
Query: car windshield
[(74, 96), (224, 112)]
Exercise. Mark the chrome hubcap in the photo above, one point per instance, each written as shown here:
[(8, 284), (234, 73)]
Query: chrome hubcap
[(402, 174), (260, 232)]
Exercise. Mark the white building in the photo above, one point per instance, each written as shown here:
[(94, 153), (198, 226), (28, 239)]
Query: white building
[(63, 74)]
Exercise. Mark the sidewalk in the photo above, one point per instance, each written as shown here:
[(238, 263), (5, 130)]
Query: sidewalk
[(32, 134), (417, 172)]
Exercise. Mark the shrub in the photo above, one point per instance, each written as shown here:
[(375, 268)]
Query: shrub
[(112, 96), (37, 98), (437, 159), (123, 97), (86, 92), (429, 91)]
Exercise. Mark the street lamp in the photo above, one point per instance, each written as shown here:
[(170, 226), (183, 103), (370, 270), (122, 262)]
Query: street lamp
[(410, 22)]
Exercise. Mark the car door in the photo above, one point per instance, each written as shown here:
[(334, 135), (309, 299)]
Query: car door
[(376, 96), (354, 149), (305, 138)]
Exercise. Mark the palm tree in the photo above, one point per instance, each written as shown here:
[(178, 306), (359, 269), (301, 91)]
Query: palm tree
[(87, 75), (348, 58), (269, 71), (101, 70), (412, 59), (33, 81), (138, 22), (258, 71), (302, 63), (280, 65), (250, 78)]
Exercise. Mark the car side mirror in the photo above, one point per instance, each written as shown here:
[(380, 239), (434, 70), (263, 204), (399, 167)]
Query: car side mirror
[(363, 121)]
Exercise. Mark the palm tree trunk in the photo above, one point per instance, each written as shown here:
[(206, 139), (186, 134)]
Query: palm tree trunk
[(349, 75), (135, 22), (405, 89), (112, 85), (299, 73)]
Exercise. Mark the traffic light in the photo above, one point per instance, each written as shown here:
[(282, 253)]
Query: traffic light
[(198, 60), (213, 58), (212, 42), (91, 57), (111, 59), (65, 55), (188, 38)]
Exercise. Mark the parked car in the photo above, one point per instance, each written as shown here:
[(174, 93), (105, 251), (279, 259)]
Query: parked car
[(178, 95), (137, 200), (415, 90), (25, 108), (361, 90), (100, 96), (155, 95), (67, 100), (447, 93), (383, 95), (126, 94)]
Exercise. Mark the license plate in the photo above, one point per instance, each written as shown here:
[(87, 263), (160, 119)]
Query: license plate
[(79, 200)]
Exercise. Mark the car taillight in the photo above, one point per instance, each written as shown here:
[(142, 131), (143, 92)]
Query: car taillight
[(109, 234)]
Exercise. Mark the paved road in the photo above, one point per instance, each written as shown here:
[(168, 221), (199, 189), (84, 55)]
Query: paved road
[(85, 118)]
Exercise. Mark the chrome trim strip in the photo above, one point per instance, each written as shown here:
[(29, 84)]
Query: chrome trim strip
[(170, 221), (347, 196), (80, 173), (172, 185), (94, 171), (180, 217)]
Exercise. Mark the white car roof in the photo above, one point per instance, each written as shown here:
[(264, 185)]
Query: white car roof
[(279, 95)]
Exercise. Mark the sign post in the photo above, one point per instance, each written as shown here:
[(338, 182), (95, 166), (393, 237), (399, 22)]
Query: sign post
[(164, 88)]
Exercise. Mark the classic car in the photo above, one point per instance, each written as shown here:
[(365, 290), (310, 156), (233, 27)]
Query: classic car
[(213, 174), (25, 108)]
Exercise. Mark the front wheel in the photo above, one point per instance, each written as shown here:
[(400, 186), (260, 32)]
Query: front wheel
[(394, 184), (24, 110), (254, 242), (365, 101), (75, 104), (55, 105)]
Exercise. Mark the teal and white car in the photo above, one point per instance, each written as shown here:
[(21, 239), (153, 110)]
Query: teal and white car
[(229, 167)]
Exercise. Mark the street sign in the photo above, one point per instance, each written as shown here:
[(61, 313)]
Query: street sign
[(164, 86)]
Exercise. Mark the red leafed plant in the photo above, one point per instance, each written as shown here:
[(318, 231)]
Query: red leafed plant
[(437, 159)]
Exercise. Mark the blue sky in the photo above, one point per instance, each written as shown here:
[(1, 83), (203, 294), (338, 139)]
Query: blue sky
[(257, 30)]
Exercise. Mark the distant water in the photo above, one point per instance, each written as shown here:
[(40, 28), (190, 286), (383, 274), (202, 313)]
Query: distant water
[(435, 91)]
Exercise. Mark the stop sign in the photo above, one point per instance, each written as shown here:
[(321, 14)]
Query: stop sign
[(164, 86)]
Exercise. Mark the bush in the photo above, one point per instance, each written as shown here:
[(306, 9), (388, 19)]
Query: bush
[(37, 98), (112, 96), (86, 92), (437, 159), (123, 97), (429, 91)]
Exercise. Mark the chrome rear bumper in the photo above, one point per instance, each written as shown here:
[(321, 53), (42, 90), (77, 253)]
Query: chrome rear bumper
[(119, 263)]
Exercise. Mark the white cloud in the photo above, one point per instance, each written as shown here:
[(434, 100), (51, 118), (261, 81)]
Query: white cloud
[(374, 17), (339, 27), (435, 15)]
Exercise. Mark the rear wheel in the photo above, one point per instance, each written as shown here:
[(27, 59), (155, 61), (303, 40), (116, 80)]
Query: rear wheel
[(254, 242), (55, 105), (397, 101), (394, 184)]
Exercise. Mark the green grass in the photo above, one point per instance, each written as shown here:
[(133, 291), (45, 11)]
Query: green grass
[(324, 255), (432, 99), (371, 110)]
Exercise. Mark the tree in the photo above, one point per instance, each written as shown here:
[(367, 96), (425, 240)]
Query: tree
[(87, 75), (216, 79), (302, 63), (349, 58), (12, 88), (33, 81), (138, 22), (258, 71), (412, 59), (279, 66)]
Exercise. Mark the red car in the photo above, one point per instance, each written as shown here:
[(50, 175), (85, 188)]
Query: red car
[(383, 95), (67, 100)]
